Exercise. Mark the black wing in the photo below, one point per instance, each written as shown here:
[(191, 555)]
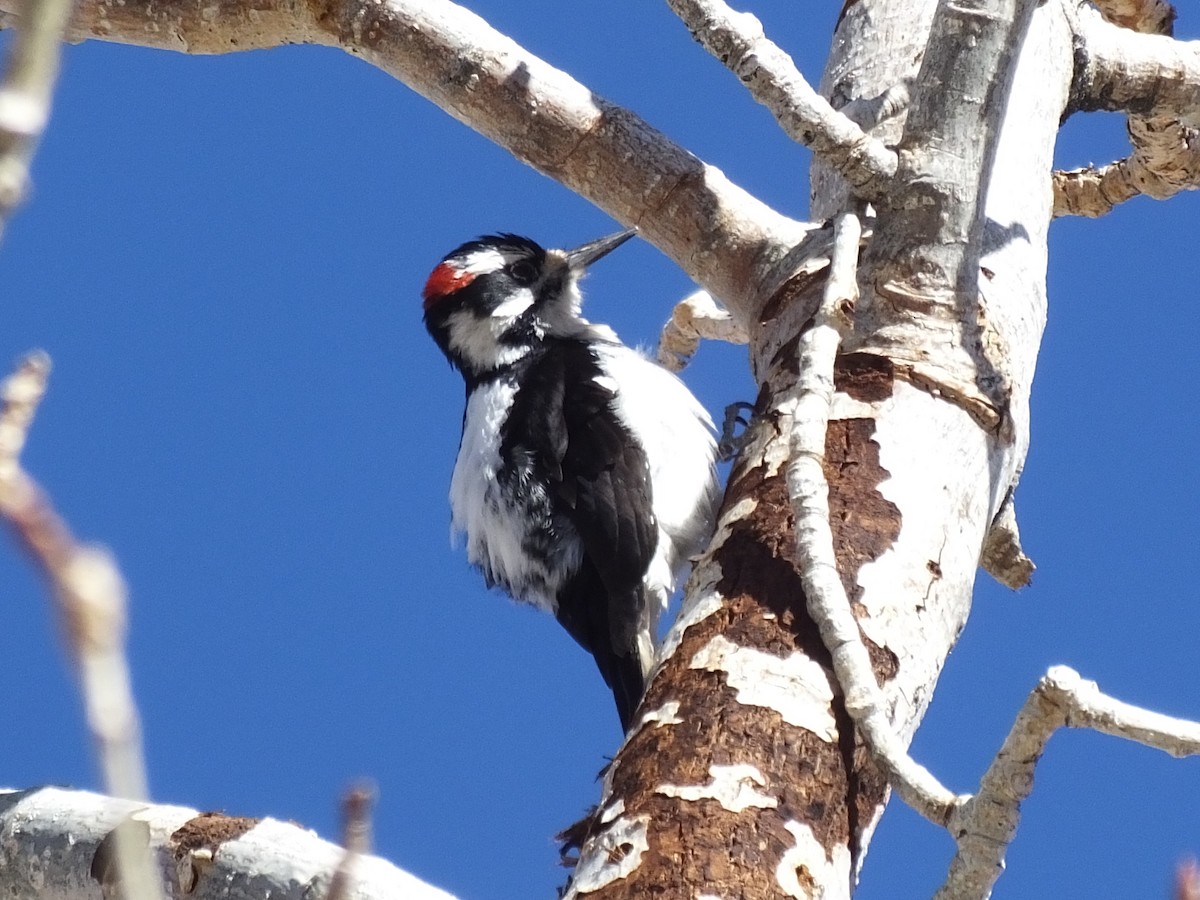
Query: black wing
[(599, 480)]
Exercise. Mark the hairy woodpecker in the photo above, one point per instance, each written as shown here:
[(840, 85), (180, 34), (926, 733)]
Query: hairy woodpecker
[(585, 475)]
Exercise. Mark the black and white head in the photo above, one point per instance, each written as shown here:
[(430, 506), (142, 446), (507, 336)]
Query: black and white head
[(489, 302)]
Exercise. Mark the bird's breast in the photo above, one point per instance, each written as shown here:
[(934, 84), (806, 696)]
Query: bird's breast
[(502, 508)]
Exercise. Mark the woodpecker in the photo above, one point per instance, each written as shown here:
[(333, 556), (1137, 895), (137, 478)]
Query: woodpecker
[(585, 477)]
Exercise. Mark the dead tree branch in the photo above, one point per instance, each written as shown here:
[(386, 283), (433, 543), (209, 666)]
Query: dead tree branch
[(52, 838), (728, 242), (985, 825), (356, 838), (809, 494), (90, 601), (738, 41), (1132, 55)]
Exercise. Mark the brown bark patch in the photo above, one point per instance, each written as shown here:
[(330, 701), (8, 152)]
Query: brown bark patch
[(865, 523), (864, 376), (194, 845), (208, 830), (701, 844)]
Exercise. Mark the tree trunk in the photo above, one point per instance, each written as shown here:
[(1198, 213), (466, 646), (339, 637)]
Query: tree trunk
[(747, 779)]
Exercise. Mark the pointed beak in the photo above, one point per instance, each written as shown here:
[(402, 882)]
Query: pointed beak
[(582, 257)]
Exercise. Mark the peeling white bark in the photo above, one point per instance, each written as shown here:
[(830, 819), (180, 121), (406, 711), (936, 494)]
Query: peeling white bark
[(916, 596), (735, 787), (613, 854), (933, 560), (667, 714), (701, 598), (805, 866), (610, 812), (795, 686)]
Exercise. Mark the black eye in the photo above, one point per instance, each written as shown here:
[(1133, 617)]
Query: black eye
[(523, 272)]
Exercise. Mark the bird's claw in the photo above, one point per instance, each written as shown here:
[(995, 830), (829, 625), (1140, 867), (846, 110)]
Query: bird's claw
[(730, 444)]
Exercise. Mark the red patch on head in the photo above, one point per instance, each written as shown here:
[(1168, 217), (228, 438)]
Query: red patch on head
[(444, 280)]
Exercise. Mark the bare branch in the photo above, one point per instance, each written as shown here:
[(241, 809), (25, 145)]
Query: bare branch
[(985, 826), (1165, 161), (90, 601), (809, 493), (1127, 71), (1146, 74), (737, 40), (25, 93), (696, 317), (20, 396), (1166, 157), (727, 241)]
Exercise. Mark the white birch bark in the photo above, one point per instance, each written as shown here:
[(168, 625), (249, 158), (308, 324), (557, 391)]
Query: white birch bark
[(930, 421)]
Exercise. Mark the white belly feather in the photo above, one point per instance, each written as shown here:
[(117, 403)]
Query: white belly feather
[(495, 528), (676, 435)]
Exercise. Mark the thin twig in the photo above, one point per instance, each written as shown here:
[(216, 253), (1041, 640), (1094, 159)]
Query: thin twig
[(809, 493), (737, 40), (22, 392), (90, 601), (356, 836), (25, 94), (986, 824)]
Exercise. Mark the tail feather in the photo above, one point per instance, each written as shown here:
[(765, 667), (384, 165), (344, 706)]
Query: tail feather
[(615, 629)]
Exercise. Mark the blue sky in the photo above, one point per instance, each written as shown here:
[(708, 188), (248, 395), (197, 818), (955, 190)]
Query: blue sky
[(224, 257)]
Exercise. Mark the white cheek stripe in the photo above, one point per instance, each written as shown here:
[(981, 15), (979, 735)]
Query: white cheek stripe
[(514, 305)]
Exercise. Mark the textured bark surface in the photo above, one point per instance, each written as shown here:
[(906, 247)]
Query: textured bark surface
[(794, 775), (924, 445)]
